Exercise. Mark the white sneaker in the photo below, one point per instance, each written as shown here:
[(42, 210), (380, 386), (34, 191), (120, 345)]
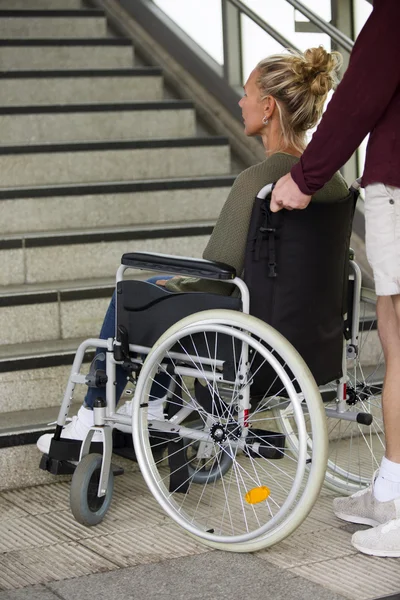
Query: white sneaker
[(155, 412), (75, 430), (362, 507), (383, 540)]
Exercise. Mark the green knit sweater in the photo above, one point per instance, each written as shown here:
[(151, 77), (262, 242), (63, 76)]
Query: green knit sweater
[(228, 240)]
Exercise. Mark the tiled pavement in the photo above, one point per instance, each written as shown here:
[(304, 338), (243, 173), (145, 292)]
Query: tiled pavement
[(138, 552)]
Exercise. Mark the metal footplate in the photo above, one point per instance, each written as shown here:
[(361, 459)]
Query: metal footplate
[(64, 454)]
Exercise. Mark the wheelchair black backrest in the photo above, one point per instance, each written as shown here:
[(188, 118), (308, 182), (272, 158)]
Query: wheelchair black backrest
[(296, 268)]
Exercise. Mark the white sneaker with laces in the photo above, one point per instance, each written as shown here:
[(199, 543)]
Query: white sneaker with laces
[(155, 412), (362, 507), (75, 430), (383, 540)]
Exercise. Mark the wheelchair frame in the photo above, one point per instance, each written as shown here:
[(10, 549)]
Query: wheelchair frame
[(106, 417)]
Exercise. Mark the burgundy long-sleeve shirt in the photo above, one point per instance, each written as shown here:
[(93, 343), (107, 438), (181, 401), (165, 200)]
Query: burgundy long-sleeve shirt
[(366, 101)]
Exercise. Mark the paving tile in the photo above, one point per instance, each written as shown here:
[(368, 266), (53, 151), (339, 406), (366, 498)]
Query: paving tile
[(41, 499), (127, 515), (214, 575), (51, 563), (358, 577), (146, 545), (27, 532), (309, 547), (37, 592), (8, 510)]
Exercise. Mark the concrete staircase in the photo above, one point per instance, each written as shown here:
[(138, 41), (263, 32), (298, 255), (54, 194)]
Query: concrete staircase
[(95, 160)]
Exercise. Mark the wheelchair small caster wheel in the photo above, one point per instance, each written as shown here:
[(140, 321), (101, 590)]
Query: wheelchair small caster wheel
[(86, 506)]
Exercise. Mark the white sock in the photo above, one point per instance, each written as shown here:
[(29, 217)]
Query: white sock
[(387, 484)]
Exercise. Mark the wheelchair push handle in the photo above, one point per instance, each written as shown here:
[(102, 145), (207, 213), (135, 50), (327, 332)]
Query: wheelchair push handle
[(266, 191)]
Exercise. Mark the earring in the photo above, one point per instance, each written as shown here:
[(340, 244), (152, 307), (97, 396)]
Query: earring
[(265, 120)]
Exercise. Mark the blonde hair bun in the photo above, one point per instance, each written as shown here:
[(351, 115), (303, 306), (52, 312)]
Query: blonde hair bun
[(318, 68), (300, 84)]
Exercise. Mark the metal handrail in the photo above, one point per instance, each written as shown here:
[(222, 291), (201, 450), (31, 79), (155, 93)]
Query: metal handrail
[(261, 23), (339, 37)]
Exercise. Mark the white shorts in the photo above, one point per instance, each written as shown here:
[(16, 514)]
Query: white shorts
[(382, 224)]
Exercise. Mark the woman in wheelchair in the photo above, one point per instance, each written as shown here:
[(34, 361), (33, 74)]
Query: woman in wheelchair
[(283, 99), (228, 424)]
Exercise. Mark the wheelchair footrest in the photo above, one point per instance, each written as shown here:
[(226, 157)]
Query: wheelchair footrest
[(266, 444), (55, 466), (69, 450), (63, 467)]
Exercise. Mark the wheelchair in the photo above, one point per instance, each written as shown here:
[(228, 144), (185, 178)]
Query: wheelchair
[(237, 472)]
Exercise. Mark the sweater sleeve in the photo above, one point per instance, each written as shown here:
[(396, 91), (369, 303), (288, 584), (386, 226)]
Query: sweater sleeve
[(361, 99)]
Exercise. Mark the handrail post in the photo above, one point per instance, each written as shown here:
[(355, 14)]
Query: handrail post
[(232, 40)]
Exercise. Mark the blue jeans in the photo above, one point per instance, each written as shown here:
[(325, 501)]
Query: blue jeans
[(158, 389)]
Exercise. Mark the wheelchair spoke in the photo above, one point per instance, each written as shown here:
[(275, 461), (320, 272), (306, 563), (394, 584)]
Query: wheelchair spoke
[(240, 479)]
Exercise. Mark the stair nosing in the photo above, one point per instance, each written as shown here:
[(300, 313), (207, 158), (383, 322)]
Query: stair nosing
[(98, 107), (114, 145), (67, 42), (41, 354), (115, 187), (137, 232), (51, 13), (25, 298), (65, 73)]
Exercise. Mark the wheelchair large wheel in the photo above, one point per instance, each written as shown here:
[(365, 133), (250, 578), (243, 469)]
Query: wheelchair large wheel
[(355, 450), (86, 506), (267, 492)]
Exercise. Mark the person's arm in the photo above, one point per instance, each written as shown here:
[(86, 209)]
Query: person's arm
[(357, 105)]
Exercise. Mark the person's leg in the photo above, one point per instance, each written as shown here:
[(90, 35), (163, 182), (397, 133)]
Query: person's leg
[(387, 484), (382, 217), (379, 505), (107, 331)]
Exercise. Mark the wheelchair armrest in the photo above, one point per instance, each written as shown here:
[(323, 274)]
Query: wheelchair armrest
[(195, 267)]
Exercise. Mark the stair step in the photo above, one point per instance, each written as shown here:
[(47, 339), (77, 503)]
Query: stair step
[(91, 53), (52, 23), (112, 204), (41, 4), (85, 86), (49, 164), (52, 314), (19, 456), (84, 255), (33, 377), (100, 122)]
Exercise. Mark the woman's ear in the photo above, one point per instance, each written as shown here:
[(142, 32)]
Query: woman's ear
[(269, 104)]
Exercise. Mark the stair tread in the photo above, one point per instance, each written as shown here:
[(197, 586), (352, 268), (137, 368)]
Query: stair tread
[(111, 187), (32, 419), (37, 288), (39, 349), (59, 147), (101, 41), (97, 231), (164, 104)]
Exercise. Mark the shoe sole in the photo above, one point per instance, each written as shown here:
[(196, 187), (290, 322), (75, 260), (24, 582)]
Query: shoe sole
[(357, 520), (379, 553)]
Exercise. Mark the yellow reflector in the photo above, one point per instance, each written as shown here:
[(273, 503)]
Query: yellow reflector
[(258, 494)]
